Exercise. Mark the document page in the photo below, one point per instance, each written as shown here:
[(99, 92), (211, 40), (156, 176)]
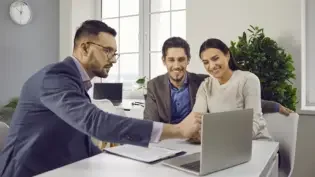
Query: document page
[(143, 154)]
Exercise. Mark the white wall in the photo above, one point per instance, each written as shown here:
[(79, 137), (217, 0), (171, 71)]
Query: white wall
[(82, 10), (72, 14), (26, 49), (226, 20), (281, 19), (65, 25)]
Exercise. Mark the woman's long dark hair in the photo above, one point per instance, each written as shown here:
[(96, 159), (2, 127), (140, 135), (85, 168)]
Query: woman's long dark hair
[(218, 44)]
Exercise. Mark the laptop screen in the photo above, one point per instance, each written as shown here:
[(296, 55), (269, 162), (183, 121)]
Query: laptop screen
[(109, 91)]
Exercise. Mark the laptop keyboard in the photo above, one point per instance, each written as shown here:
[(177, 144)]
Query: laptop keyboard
[(193, 166)]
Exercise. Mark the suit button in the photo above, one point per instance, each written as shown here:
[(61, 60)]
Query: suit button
[(128, 137)]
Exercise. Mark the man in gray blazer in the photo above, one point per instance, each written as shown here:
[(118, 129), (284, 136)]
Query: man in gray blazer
[(55, 119), (171, 97)]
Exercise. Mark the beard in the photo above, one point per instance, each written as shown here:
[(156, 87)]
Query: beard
[(177, 77), (98, 70), (95, 70), (100, 73)]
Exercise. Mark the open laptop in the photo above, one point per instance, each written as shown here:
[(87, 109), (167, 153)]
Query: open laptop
[(109, 91), (226, 141)]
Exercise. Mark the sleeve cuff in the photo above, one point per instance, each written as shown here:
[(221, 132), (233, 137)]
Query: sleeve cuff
[(156, 132)]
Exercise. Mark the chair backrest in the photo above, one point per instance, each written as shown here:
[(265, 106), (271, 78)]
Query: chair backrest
[(108, 106), (4, 129), (284, 129)]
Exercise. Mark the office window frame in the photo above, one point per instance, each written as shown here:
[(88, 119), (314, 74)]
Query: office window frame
[(144, 37), (306, 93), (147, 33), (127, 85)]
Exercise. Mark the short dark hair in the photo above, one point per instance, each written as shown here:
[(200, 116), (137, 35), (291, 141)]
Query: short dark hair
[(92, 28), (176, 42), (218, 44)]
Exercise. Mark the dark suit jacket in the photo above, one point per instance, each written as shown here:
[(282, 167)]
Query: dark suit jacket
[(158, 100), (54, 121)]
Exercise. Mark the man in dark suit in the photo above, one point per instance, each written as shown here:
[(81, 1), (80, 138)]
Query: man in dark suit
[(171, 97), (55, 119)]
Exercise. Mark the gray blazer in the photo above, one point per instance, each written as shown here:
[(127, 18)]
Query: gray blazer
[(158, 100), (54, 121)]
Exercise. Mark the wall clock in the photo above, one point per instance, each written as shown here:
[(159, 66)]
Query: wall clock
[(20, 12)]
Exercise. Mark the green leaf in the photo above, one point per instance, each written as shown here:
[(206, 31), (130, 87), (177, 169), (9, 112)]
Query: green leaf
[(12, 103), (252, 27), (262, 55), (141, 80)]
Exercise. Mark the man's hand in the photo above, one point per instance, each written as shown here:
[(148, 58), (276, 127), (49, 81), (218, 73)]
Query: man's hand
[(284, 110), (185, 129), (190, 125), (195, 139)]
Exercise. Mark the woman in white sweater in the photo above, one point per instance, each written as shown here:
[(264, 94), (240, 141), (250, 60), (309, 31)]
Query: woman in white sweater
[(228, 88)]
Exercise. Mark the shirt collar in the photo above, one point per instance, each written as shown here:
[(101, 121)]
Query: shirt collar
[(84, 75), (185, 81)]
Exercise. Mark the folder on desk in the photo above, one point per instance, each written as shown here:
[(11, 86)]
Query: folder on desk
[(144, 154)]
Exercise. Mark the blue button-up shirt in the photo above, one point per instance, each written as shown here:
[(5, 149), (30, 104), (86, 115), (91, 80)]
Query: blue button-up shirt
[(180, 102)]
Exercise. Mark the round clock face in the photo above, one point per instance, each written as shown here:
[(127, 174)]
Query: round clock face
[(20, 12)]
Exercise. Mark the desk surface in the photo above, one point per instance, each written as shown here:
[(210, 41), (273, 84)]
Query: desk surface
[(110, 165), (128, 104)]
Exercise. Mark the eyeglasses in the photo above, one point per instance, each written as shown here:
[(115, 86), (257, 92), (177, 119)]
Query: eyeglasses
[(108, 50)]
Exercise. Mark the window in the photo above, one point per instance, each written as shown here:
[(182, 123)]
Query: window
[(142, 27), (123, 16), (167, 18), (308, 61)]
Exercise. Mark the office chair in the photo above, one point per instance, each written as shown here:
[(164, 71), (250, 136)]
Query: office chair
[(284, 129)]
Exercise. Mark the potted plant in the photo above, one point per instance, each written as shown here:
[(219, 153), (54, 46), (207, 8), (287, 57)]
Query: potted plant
[(6, 112), (274, 67), (142, 85)]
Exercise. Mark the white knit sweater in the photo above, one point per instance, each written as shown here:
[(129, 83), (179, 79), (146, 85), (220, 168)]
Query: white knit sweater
[(240, 92)]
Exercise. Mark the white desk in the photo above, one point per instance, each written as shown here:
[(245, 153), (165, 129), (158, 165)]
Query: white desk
[(127, 104), (135, 111), (107, 165), (126, 108)]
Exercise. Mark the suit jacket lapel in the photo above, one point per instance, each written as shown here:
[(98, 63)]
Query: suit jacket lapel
[(69, 61), (87, 95), (167, 97), (193, 88)]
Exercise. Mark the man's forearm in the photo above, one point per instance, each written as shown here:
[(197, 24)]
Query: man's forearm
[(171, 131), (185, 129), (269, 106)]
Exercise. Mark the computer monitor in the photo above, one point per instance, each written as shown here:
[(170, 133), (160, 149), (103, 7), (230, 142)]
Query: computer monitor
[(109, 91)]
